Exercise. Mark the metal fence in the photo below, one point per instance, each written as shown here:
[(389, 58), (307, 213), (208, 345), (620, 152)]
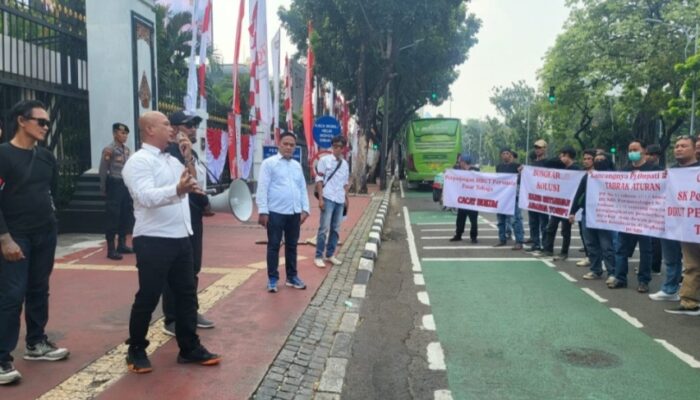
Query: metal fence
[(43, 56)]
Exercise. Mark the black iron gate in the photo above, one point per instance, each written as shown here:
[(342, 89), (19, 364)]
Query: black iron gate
[(43, 56)]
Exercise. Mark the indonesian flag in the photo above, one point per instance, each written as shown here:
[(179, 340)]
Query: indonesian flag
[(260, 101), (203, 47), (308, 103), (234, 120), (288, 93), (191, 95), (276, 85)]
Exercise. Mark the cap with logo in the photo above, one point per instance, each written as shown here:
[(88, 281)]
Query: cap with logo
[(540, 143), (118, 126)]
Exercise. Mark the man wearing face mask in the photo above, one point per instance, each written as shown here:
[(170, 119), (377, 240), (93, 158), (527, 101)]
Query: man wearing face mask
[(628, 241)]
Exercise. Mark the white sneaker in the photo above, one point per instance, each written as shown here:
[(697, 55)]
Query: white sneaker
[(584, 263), (334, 260), (319, 263), (663, 296), (610, 279)]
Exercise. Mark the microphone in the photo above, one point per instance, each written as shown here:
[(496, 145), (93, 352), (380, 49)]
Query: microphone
[(210, 191)]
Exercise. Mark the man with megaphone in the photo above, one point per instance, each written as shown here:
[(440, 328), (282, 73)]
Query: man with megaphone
[(159, 185), (283, 205)]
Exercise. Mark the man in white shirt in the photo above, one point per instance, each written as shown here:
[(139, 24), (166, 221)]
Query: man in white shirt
[(283, 205), (332, 175), (159, 185)]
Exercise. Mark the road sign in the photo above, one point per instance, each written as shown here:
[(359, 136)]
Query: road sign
[(269, 151), (325, 128)]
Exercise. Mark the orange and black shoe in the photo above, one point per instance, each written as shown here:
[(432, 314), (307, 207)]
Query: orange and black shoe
[(137, 360), (200, 355)]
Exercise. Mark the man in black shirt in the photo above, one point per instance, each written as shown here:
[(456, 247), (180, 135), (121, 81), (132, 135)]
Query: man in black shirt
[(27, 237), (509, 166), (628, 241), (465, 163), (538, 221), (567, 157)]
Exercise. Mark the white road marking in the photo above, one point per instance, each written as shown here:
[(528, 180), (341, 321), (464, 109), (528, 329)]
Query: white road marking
[(567, 276), (479, 237), (475, 259), (594, 295), (403, 195), (548, 263), (436, 357), (418, 279), (623, 314), (686, 358), (413, 251), (466, 248), (429, 322), (423, 298), (443, 394)]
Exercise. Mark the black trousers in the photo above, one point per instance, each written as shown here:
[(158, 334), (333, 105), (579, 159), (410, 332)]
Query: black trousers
[(119, 208), (462, 215), (552, 227), (160, 261), (196, 240)]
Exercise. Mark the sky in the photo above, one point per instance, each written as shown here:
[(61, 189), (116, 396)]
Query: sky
[(513, 40)]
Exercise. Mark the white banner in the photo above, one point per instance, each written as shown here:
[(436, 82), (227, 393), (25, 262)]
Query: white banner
[(631, 202), (683, 204), (549, 191), (480, 191)]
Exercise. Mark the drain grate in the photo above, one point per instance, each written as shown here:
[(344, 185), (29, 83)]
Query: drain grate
[(589, 358)]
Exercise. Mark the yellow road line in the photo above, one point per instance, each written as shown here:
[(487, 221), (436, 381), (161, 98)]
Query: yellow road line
[(97, 376)]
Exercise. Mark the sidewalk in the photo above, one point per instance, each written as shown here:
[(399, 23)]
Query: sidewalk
[(91, 298)]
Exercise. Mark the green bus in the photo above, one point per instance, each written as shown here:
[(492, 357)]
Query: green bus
[(431, 146)]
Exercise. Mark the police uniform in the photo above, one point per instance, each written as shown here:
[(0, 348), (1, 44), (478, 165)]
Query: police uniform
[(119, 206)]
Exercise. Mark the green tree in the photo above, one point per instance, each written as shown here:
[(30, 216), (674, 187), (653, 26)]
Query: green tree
[(363, 45)]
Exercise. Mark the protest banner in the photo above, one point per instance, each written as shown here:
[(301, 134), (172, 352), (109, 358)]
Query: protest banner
[(548, 191), (631, 202), (480, 191), (682, 208)]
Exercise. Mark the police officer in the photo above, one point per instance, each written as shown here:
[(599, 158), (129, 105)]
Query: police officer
[(119, 205)]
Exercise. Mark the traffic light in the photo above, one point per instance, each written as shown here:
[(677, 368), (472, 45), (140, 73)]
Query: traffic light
[(552, 96), (434, 96), (613, 150), (375, 146)]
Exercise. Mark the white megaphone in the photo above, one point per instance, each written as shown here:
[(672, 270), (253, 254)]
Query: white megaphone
[(235, 200)]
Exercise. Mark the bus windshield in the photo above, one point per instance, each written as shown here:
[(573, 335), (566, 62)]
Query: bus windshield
[(435, 127)]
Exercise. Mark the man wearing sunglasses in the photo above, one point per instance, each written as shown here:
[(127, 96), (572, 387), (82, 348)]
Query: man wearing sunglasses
[(119, 206), (184, 136), (28, 177)]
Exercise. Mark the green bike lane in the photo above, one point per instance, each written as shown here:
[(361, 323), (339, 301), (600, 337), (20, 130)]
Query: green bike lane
[(518, 330)]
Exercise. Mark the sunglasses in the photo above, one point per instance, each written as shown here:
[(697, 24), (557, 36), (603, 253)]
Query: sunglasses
[(42, 122)]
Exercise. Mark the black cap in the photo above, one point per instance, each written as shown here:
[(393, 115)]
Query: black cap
[(180, 118), (654, 149), (119, 126), (506, 149)]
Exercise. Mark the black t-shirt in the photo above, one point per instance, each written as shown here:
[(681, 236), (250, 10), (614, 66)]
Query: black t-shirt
[(644, 167), (511, 168), (26, 207)]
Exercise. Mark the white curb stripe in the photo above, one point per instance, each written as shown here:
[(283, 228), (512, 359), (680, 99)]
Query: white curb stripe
[(429, 322), (443, 394), (623, 314), (423, 298), (567, 276), (436, 357), (686, 358), (418, 279), (358, 291), (413, 251), (594, 295)]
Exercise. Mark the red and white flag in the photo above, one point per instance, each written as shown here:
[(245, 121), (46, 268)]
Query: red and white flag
[(260, 101), (276, 85), (234, 121), (288, 93), (308, 101), (205, 30)]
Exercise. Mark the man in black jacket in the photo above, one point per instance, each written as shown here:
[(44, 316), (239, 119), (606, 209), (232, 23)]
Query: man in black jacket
[(28, 177), (186, 125), (538, 221), (465, 163)]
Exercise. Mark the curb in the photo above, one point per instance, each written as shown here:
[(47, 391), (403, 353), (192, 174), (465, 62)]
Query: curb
[(333, 376)]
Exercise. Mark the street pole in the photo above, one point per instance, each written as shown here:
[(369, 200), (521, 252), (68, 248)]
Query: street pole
[(385, 122), (527, 142), (480, 132), (692, 106)]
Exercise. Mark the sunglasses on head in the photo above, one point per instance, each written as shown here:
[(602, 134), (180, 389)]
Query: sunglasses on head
[(42, 122)]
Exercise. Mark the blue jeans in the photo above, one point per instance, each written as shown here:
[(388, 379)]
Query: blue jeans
[(516, 221), (26, 281), (627, 243), (600, 248), (672, 255), (289, 226), (331, 217), (538, 227)]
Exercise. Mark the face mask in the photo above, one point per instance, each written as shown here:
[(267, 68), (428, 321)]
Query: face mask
[(634, 156)]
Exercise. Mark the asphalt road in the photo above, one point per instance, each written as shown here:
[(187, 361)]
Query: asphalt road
[(395, 356)]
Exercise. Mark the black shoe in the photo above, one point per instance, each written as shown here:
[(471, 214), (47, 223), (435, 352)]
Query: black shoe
[(169, 329), (114, 255), (680, 310), (529, 241), (475, 241), (199, 355), (643, 288), (500, 244), (456, 239), (125, 250), (533, 249), (137, 360), (617, 284), (203, 323)]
